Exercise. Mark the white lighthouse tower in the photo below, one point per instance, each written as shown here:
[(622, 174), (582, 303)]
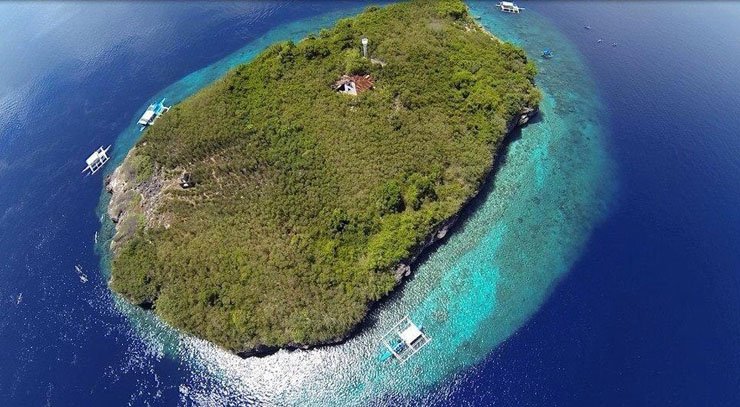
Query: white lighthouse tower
[(365, 41)]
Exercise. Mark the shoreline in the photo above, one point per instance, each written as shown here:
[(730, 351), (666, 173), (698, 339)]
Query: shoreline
[(125, 192), (404, 270)]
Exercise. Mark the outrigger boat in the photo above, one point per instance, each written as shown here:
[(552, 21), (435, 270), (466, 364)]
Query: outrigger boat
[(82, 275), (96, 160), (509, 7), (152, 113), (547, 53), (403, 341)]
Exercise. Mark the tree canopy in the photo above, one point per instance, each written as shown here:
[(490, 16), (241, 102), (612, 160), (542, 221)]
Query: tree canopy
[(307, 199)]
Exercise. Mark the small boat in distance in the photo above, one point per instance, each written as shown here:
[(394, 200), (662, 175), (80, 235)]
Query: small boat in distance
[(152, 113), (83, 276), (588, 27), (547, 53), (509, 7), (96, 160)]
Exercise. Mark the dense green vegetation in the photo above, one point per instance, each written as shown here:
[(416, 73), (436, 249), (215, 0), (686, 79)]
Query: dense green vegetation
[(307, 199)]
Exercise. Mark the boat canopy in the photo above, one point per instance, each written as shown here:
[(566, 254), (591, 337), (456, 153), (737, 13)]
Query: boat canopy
[(147, 116), (411, 334), (94, 158)]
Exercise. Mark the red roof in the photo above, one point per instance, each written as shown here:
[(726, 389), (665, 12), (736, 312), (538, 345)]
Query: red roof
[(362, 82)]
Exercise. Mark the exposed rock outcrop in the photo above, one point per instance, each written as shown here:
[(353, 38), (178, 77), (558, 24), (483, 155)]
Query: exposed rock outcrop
[(134, 202)]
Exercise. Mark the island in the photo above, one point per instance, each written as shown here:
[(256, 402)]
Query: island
[(275, 207)]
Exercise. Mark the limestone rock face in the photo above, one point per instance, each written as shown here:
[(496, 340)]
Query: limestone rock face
[(133, 201), (121, 207)]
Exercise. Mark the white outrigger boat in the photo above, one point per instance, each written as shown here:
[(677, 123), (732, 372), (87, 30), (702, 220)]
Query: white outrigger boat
[(83, 276), (509, 7), (96, 160), (403, 341), (152, 113)]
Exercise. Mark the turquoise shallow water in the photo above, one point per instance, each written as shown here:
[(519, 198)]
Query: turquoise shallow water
[(471, 293)]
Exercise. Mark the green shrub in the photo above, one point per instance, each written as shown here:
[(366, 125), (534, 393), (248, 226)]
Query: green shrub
[(452, 8), (390, 199)]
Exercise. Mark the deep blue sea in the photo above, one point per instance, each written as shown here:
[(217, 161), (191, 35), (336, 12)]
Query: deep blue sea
[(599, 267)]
